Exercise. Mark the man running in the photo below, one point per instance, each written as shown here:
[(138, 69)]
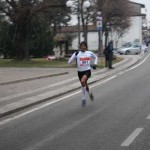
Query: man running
[(83, 58)]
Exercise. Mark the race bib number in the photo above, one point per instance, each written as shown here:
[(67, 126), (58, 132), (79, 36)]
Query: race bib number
[(85, 61)]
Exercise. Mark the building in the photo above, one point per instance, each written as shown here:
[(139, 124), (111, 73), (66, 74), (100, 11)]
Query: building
[(132, 34), (135, 30)]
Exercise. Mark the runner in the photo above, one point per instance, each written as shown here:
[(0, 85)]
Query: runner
[(84, 58)]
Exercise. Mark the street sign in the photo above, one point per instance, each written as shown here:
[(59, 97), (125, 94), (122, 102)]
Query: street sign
[(99, 25)]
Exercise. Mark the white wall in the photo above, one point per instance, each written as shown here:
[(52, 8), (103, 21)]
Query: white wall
[(134, 32), (92, 41)]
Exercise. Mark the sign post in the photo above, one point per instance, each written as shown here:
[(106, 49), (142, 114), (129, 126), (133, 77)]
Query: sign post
[(99, 28)]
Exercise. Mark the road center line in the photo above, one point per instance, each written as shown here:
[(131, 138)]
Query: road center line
[(132, 137), (148, 117)]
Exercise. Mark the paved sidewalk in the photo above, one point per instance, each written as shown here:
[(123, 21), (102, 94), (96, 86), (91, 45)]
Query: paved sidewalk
[(14, 75), (25, 87)]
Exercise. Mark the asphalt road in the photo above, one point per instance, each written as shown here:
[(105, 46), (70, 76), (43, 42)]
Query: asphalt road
[(118, 119)]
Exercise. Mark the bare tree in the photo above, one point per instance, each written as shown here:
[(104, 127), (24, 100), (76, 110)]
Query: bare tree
[(87, 17), (117, 13)]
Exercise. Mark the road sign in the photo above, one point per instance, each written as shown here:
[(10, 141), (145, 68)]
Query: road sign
[(99, 25)]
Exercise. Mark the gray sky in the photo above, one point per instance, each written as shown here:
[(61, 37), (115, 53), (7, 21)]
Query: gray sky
[(147, 6), (145, 2)]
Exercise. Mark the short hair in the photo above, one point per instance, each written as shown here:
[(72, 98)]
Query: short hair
[(84, 43)]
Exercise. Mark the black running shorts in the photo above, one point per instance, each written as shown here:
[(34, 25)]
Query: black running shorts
[(82, 73)]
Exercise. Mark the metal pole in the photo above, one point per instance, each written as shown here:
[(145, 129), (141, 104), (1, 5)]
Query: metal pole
[(99, 28), (99, 42), (78, 23)]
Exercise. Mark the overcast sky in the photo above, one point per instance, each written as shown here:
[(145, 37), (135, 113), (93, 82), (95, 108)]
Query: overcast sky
[(147, 6), (146, 10)]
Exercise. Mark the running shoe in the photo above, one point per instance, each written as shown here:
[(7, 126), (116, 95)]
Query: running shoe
[(83, 103), (91, 96)]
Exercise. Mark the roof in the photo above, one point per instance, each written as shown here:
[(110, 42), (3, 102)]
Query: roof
[(137, 9), (142, 5), (70, 29)]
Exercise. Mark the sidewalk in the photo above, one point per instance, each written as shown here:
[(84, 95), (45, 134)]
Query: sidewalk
[(21, 89), (14, 75)]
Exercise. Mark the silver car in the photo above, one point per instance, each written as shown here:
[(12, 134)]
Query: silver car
[(129, 49)]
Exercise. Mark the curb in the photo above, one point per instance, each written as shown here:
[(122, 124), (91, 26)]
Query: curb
[(31, 101), (33, 78)]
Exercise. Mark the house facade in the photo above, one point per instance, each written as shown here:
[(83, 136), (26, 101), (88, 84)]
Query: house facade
[(133, 33)]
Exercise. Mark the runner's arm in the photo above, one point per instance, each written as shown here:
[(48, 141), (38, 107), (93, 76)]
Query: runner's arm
[(72, 58), (95, 58)]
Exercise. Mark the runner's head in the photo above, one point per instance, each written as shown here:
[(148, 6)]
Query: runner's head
[(83, 46)]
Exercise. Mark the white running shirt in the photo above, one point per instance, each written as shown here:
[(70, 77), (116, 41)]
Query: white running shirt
[(84, 60)]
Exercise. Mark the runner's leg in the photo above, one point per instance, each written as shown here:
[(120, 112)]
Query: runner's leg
[(83, 83), (87, 87), (83, 92), (89, 92)]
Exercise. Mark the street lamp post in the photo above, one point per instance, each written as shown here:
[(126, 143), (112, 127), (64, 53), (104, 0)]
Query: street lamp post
[(99, 28), (78, 12), (86, 4), (107, 33)]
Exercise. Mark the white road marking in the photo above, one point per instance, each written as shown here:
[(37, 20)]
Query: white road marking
[(139, 63), (135, 65), (148, 117), (132, 137), (121, 73), (60, 99), (50, 103)]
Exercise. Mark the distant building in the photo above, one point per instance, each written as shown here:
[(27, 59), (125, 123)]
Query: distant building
[(135, 30), (133, 33)]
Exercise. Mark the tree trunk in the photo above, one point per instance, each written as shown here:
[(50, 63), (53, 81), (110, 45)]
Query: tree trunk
[(85, 29), (22, 42)]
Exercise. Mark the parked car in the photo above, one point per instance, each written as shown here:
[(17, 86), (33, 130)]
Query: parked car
[(129, 49), (127, 44)]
